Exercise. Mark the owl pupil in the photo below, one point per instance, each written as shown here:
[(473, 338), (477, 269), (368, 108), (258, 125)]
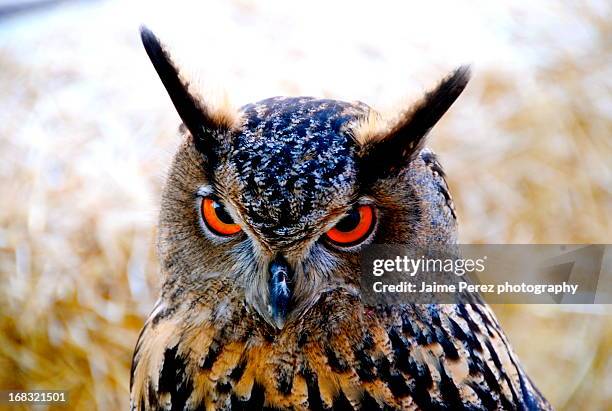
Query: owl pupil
[(222, 214), (350, 222)]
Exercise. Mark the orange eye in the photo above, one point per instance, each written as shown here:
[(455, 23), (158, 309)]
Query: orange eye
[(353, 228), (217, 219)]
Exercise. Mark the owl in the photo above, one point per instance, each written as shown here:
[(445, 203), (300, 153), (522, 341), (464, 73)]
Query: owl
[(264, 215)]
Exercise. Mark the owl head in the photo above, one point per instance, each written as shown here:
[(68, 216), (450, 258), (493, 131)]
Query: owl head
[(282, 195)]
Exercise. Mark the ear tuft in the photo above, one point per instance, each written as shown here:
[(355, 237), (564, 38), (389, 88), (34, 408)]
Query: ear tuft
[(200, 118), (371, 128), (389, 145)]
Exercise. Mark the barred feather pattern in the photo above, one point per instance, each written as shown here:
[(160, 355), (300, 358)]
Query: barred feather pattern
[(340, 356)]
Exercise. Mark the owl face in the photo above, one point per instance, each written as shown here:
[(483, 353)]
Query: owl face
[(282, 195)]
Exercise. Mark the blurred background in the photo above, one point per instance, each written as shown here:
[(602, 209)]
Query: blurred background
[(87, 132)]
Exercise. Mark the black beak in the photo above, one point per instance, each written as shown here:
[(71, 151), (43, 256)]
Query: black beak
[(280, 287)]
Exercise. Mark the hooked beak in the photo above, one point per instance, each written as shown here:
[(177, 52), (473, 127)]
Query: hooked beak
[(280, 288)]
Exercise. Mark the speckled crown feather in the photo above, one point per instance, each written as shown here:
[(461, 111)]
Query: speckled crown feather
[(291, 155)]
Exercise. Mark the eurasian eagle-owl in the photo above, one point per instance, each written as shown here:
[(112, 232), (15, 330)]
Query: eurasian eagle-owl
[(263, 217)]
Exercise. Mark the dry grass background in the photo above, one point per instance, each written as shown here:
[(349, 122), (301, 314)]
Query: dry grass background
[(86, 133)]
